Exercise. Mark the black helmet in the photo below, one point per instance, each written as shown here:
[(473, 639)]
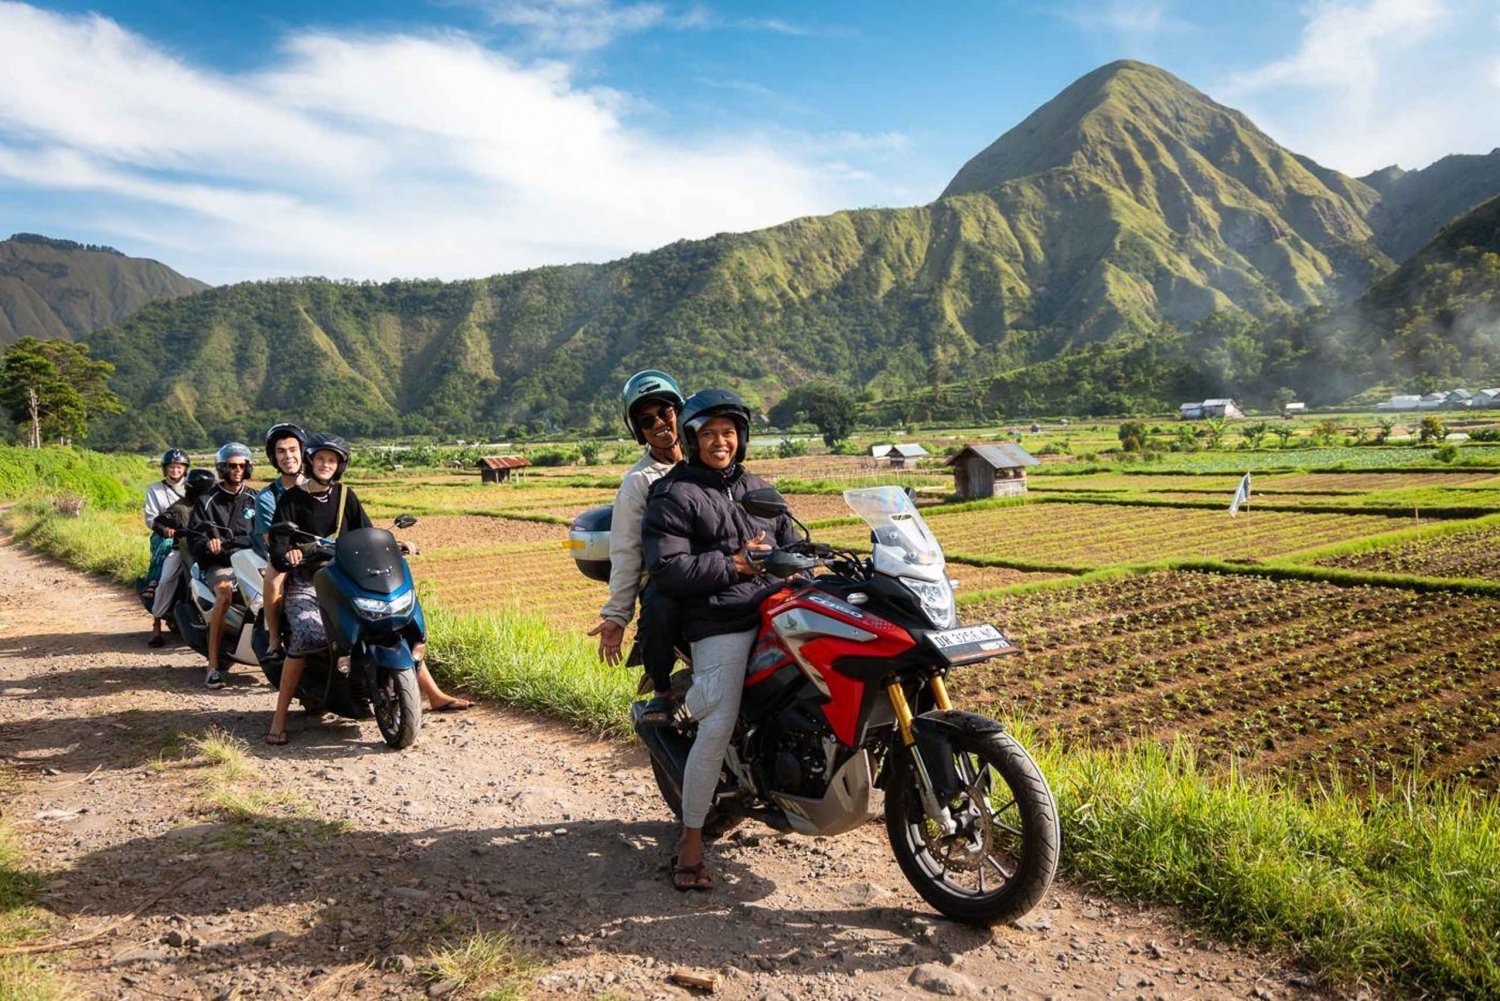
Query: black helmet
[(702, 407), (320, 442), (198, 480), (278, 432), (172, 455), (648, 385), (234, 450)]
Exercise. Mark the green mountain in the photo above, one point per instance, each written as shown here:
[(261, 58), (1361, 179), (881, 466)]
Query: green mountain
[(1127, 207), (58, 288), (1415, 204)]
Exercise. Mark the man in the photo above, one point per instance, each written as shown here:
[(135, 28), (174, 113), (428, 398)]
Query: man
[(159, 496), (221, 525), (651, 401), (284, 444)]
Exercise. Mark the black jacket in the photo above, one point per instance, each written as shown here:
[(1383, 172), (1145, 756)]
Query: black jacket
[(224, 516), (176, 518), (299, 507), (694, 525)]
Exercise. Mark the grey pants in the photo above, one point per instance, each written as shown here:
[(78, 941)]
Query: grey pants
[(166, 587), (714, 700)]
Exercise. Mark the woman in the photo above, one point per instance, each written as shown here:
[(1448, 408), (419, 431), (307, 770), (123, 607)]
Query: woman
[(701, 548)]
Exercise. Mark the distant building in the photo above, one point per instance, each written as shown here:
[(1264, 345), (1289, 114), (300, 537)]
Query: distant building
[(1294, 408), (897, 455), (497, 468), (1458, 399), (1209, 408), (991, 470), (1487, 398)]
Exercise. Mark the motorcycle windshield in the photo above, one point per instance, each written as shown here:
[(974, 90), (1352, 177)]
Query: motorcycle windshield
[(371, 558), (896, 525)]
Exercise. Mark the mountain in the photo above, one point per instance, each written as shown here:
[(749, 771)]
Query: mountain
[(58, 288), (1127, 206), (1415, 204)]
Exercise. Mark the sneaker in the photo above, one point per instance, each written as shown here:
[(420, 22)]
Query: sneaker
[(214, 680)]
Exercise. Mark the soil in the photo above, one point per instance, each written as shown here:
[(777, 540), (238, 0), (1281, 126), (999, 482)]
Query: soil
[(493, 821)]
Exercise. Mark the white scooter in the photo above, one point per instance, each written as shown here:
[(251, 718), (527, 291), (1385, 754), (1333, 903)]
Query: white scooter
[(193, 612)]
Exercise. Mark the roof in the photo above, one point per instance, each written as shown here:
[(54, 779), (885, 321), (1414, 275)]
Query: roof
[(1218, 403), (904, 450), (503, 462), (1000, 455)]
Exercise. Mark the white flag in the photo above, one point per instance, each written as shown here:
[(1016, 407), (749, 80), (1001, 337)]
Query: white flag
[(1241, 496)]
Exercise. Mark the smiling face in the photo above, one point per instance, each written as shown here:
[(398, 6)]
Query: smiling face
[(234, 471), (718, 443), (658, 422), (325, 464), (288, 453), (174, 472)]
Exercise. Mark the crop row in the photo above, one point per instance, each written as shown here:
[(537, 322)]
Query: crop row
[(1473, 554)]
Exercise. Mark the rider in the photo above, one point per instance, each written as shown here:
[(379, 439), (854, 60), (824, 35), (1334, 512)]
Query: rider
[(220, 526), (172, 524), (322, 506), (651, 401), (284, 448), (159, 496), (701, 548)]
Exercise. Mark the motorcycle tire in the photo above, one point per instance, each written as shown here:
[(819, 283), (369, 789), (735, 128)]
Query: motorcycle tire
[(1028, 806), (401, 718)]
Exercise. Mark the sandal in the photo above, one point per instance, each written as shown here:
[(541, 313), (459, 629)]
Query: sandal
[(453, 706), (658, 712), (276, 738), (691, 877)]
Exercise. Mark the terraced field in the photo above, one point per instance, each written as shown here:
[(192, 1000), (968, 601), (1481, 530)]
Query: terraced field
[(1474, 553)]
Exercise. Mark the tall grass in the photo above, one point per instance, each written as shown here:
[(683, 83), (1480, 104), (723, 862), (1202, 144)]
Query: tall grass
[(110, 481), (109, 543)]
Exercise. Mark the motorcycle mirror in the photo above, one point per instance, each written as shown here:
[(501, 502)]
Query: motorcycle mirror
[(766, 502), (405, 521)]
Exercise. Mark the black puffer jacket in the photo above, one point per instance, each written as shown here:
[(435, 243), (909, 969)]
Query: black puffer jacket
[(694, 525)]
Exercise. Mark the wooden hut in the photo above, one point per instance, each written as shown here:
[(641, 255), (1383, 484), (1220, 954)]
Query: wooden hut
[(991, 470), (897, 455), (497, 468)]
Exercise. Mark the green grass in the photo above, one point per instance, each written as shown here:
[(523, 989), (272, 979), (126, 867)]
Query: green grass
[(111, 481), (111, 544), (487, 965)]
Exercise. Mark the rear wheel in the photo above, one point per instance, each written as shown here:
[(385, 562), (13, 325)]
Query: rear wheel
[(400, 718), (721, 820), (1000, 860)]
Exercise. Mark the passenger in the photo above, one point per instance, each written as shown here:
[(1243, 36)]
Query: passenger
[(284, 448), (173, 524), (221, 525), (159, 496), (701, 548), (651, 401), (325, 507)]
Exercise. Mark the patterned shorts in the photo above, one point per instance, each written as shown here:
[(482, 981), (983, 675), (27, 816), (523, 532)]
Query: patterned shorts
[(304, 617)]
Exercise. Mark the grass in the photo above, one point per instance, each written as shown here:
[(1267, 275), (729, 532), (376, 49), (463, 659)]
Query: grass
[(111, 544), (229, 783), (487, 965), (22, 978)]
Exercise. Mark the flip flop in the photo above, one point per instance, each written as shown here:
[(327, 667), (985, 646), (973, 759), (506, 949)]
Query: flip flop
[(157, 641), (658, 712), (276, 738), (699, 878), (453, 706)]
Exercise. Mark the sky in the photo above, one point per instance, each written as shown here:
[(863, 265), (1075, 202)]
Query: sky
[(460, 138)]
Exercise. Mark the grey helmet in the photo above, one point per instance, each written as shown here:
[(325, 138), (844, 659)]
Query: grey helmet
[(702, 407), (648, 385), (233, 450)]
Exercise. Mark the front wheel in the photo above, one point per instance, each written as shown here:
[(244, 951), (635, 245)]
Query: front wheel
[(1000, 860), (400, 717)]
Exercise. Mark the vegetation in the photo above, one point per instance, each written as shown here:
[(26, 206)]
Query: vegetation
[(53, 389)]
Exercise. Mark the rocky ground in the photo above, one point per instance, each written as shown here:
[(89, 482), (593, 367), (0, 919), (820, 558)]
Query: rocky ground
[(493, 822)]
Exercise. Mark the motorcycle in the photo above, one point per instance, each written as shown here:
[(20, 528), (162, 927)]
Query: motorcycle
[(375, 630), (845, 692), (193, 609)]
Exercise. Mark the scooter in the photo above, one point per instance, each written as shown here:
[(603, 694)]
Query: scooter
[(192, 612), (376, 633)]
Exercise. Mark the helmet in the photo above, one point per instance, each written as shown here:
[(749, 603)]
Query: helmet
[(172, 455), (198, 480), (278, 432), (648, 385), (320, 442), (234, 450), (702, 407)]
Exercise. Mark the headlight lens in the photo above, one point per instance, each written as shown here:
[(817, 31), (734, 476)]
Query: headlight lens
[(379, 608), (936, 599)]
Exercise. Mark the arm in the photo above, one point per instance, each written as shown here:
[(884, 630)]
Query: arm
[(626, 557), (202, 528), (667, 537), (281, 542), (265, 510), (155, 505)]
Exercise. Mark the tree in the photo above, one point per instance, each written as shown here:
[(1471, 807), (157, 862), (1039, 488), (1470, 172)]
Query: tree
[(1282, 397), (1326, 432), (1254, 433), (1214, 429), (826, 405), (1432, 429), (52, 389), (1132, 435), (1283, 433)]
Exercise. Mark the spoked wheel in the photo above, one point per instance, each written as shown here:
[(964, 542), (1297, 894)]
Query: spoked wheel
[(400, 718), (1000, 860)]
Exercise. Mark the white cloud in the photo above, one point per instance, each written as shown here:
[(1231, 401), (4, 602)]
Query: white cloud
[(1134, 24), (1375, 82), (374, 156), (575, 25)]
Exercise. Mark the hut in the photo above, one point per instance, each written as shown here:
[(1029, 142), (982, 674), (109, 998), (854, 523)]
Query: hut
[(991, 470), (1209, 408), (897, 455), (497, 468)]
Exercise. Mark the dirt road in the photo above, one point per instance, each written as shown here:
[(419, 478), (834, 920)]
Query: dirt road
[(493, 821)]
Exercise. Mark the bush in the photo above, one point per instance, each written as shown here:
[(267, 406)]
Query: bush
[(1446, 452), (553, 457)]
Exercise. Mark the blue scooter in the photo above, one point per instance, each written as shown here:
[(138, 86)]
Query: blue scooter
[(374, 626)]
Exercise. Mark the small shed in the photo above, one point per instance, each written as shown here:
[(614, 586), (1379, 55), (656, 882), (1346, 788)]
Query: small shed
[(1294, 408), (991, 470), (497, 468), (897, 455), (1487, 398), (1209, 408)]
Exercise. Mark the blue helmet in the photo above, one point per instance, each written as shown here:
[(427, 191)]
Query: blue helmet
[(648, 385)]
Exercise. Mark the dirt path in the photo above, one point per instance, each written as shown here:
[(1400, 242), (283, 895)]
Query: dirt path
[(493, 821)]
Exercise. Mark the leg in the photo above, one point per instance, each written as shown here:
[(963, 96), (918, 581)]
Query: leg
[(657, 630), (223, 596), (714, 700), (437, 699), (271, 602), (291, 677), (166, 588)]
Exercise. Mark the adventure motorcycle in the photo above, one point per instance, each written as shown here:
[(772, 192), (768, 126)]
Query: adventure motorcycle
[(845, 691), (375, 630)]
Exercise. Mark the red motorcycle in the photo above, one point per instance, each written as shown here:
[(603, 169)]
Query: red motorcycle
[(845, 692)]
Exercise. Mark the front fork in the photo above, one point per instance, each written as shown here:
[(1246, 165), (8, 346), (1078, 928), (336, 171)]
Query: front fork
[(935, 811)]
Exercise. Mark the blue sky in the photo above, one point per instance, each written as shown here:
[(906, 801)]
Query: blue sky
[(466, 137)]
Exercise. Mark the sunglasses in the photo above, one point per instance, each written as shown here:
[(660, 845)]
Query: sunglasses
[(236, 465), (651, 418)]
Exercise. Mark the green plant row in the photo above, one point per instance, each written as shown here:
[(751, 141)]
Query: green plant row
[(1389, 539), (1340, 576), (1383, 510)]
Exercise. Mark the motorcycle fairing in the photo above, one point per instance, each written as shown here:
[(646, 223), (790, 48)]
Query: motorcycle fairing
[(393, 657), (844, 805), (370, 558)]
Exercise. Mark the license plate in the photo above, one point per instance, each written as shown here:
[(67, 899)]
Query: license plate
[(971, 643), (964, 635)]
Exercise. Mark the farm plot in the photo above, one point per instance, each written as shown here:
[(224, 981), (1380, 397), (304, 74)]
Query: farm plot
[(467, 532), (1474, 553), (1288, 677), (1096, 535), (560, 502), (538, 578)]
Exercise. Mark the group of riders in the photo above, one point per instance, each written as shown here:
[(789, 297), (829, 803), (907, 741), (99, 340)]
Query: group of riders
[(682, 548)]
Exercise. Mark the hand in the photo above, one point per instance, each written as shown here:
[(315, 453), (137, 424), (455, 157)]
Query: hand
[(215, 546), (168, 533), (294, 556), (755, 547), (410, 548), (611, 637)]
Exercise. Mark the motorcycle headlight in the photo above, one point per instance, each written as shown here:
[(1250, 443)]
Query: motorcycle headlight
[(380, 608), (936, 599)]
